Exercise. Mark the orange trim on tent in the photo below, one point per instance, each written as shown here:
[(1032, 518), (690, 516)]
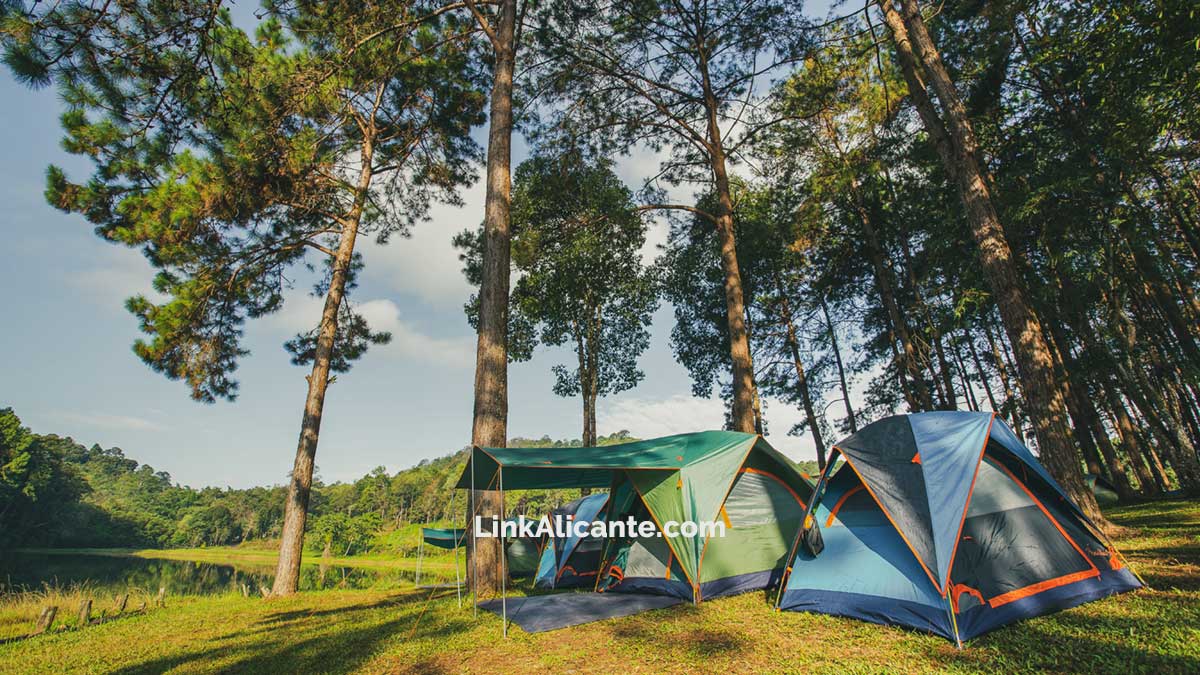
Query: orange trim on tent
[(746, 469), (1051, 517), (1034, 589), (725, 517), (732, 481), (967, 505), (768, 474), (956, 591), (907, 543), (665, 538), (838, 505)]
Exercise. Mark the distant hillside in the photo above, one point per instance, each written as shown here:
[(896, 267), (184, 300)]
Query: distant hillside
[(56, 492)]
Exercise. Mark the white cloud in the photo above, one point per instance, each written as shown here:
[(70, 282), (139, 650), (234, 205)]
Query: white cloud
[(111, 422), (408, 342), (113, 274), (301, 312), (426, 265), (648, 418)]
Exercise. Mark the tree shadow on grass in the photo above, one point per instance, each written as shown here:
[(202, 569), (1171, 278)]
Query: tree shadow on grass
[(331, 649), (391, 601), (651, 630), (1073, 642)]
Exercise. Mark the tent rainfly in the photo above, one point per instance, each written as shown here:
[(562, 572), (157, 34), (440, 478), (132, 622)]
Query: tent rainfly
[(945, 522), (737, 478)]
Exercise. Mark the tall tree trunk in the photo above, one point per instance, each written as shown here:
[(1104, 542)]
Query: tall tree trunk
[(1164, 420), (968, 392), (810, 411), (950, 402), (295, 513), (981, 373), (1034, 361), (1116, 467), (490, 421), (588, 387), (841, 369), (1011, 405), (1149, 484), (883, 283), (744, 390)]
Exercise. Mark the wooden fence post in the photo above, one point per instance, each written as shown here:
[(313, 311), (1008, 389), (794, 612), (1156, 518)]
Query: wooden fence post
[(85, 612), (160, 601), (122, 600), (46, 619)]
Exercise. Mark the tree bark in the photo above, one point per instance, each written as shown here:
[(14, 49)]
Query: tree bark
[(810, 412), (1163, 420), (968, 392), (490, 421), (918, 54), (837, 360), (887, 295), (744, 390), (295, 514), (1149, 484), (1011, 405), (950, 402), (981, 373)]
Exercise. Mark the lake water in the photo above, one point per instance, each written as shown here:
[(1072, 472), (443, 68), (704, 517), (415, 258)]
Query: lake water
[(119, 574)]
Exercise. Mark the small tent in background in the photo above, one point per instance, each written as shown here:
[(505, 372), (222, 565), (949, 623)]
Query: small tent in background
[(523, 553), (946, 523), (447, 539), (571, 561)]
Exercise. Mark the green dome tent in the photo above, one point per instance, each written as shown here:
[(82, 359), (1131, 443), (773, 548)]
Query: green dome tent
[(710, 476)]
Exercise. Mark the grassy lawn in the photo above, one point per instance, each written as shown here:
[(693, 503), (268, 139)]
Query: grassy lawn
[(1152, 631), (259, 556)]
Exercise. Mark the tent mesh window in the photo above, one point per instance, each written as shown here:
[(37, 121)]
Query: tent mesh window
[(761, 515), (1011, 545)]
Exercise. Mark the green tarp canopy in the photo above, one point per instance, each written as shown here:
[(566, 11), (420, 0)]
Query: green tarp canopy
[(685, 477), (443, 538), (550, 468)]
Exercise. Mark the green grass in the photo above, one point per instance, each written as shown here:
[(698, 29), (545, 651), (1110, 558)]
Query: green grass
[(1151, 631), (434, 560)]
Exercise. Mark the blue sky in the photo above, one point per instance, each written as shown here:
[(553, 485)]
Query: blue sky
[(66, 365)]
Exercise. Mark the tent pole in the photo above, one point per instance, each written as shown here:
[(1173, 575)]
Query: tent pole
[(420, 552), (457, 574), (474, 542), (808, 510), (953, 619), (503, 560)]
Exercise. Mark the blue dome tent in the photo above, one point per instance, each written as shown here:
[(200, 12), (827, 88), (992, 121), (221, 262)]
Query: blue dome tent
[(945, 522)]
